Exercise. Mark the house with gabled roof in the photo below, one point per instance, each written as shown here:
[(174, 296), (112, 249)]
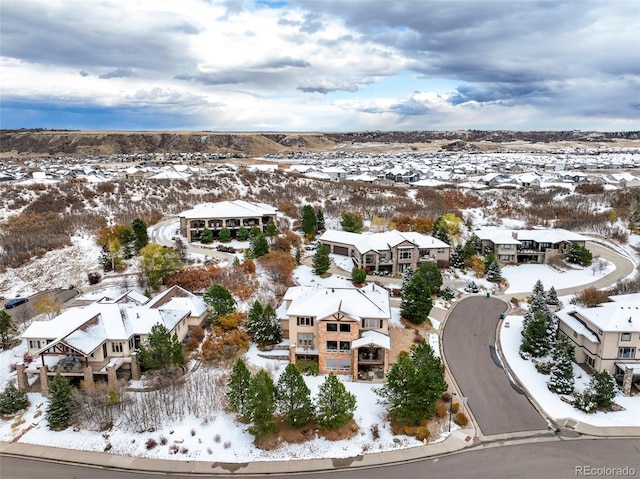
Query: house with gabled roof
[(344, 330), (390, 252), (606, 338), (100, 340)]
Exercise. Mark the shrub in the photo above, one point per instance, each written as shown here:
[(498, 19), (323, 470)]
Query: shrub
[(193, 432), (173, 448), (197, 332), (454, 407), (544, 367), (461, 419), (308, 367), (94, 277), (442, 410), (13, 400), (192, 344), (163, 440), (591, 297), (446, 396), (585, 402), (150, 443), (375, 431), (227, 444), (422, 433), (216, 438), (358, 276), (409, 430)]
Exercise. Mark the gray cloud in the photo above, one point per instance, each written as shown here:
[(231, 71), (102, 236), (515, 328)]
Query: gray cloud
[(117, 73)]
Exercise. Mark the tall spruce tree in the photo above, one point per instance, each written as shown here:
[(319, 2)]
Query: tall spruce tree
[(431, 274), (261, 404), (321, 261), (139, 229), (561, 380), (293, 397), (220, 300), (60, 409), (552, 297), (538, 289), (603, 388), (414, 385), (458, 257), (263, 325), (493, 272), (416, 299), (535, 342), (308, 221), (238, 387), (162, 349), (259, 245), (334, 404), (320, 224)]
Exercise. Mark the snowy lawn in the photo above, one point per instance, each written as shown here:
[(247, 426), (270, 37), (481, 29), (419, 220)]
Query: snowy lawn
[(536, 385), (521, 278)]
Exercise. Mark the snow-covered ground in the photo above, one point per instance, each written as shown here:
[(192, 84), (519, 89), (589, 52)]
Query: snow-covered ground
[(536, 385)]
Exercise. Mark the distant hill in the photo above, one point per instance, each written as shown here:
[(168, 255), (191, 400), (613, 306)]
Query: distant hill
[(84, 143)]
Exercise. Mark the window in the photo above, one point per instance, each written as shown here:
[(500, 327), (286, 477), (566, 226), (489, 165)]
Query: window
[(404, 254), (625, 337), (345, 328), (590, 362), (372, 323), (332, 346), (116, 347), (34, 344), (131, 343), (305, 321), (345, 346), (504, 257), (332, 364), (440, 250), (344, 364), (626, 353), (332, 327), (305, 340), (507, 247)]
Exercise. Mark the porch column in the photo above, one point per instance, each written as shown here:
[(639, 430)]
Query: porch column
[(292, 353), (112, 379), (23, 383), (44, 381), (627, 380), (354, 365), (135, 367), (385, 367), (88, 375)]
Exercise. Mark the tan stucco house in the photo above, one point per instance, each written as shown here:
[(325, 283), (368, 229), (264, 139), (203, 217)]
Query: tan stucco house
[(345, 330)]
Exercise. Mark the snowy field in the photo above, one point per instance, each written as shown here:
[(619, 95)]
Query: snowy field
[(522, 278), (536, 384)]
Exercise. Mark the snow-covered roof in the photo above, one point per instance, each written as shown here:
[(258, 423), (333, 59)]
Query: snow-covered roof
[(577, 326), (623, 317), (549, 235), (177, 298), (320, 302), (497, 236), (372, 338), (234, 209), (381, 241), (130, 296)]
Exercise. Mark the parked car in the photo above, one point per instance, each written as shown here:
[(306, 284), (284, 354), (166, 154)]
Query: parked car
[(12, 303), (70, 363)]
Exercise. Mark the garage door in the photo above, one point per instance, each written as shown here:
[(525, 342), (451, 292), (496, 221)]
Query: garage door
[(341, 250)]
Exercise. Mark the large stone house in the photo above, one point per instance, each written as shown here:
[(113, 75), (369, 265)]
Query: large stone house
[(526, 246), (344, 330), (99, 341), (606, 338), (391, 252), (225, 214)]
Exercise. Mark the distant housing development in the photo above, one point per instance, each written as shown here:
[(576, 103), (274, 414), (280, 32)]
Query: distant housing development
[(606, 338), (226, 214), (526, 246), (392, 252), (98, 341), (344, 330)]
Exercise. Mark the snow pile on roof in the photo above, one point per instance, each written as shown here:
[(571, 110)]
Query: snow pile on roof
[(231, 209), (381, 241)]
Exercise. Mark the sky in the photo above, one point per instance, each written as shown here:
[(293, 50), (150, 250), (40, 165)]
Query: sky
[(320, 65)]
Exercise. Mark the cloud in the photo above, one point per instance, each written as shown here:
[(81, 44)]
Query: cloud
[(117, 73)]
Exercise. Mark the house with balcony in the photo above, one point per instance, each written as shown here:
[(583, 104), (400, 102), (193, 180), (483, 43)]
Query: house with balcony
[(391, 252), (606, 338), (225, 214), (526, 246), (99, 341), (344, 330)]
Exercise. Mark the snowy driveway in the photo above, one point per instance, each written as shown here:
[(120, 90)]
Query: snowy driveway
[(469, 340)]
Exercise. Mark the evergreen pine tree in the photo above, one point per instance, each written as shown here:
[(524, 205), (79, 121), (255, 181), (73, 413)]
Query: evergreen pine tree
[(603, 388), (335, 405), (261, 404), (162, 349), (351, 222), (538, 289), (206, 236), (458, 258), (271, 230), (535, 342), (259, 246), (8, 328), (253, 317), (552, 297), (488, 259), (442, 235), (471, 247), (493, 272), (293, 397), (431, 274), (139, 229), (238, 386), (224, 235), (308, 222), (634, 217), (13, 400), (60, 409), (128, 242), (578, 254), (263, 325), (416, 299), (561, 380), (242, 234), (320, 225), (321, 260), (220, 300)]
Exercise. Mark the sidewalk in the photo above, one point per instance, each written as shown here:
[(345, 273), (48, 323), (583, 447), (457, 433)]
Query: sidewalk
[(457, 441)]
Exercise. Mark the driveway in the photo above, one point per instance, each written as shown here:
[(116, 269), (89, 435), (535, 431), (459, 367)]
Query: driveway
[(26, 311), (469, 340)]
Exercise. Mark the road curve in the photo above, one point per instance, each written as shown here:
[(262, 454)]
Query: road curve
[(469, 341), (557, 459)]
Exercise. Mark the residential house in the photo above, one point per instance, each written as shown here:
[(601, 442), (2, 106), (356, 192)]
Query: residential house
[(526, 246), (391, 252), (99, 340), (606, 338), (177, 298), (344, 330), (225, 214)]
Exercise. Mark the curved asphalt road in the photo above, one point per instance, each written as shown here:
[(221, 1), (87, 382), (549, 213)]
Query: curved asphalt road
[(555, 459), (469, 340)]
